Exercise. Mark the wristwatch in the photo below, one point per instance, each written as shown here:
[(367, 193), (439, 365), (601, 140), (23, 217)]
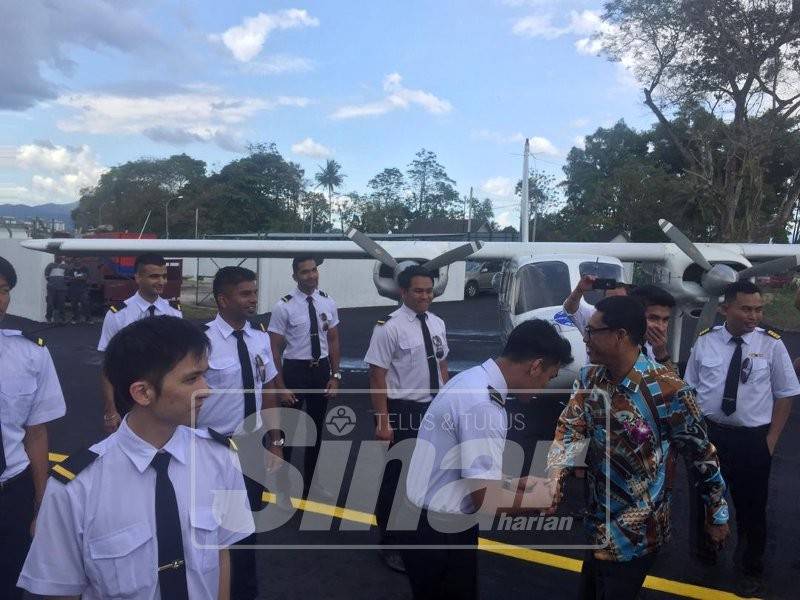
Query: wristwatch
[(337, 375)]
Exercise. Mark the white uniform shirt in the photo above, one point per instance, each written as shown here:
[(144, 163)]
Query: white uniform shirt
[(30, 394), (96, 535), (398, 345), (291, 320), (224, 412), (461, 437), (135, 309), (771, 376)]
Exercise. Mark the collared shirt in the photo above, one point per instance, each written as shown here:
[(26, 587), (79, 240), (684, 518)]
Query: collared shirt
[(771, 375), (224, 411), (638, 520), (135, 309), (398, 346), (30, 394), (461, 437), (96, 536), (290, 319)]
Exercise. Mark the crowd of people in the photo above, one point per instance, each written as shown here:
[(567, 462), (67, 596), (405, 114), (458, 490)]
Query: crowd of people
[(177, 394)]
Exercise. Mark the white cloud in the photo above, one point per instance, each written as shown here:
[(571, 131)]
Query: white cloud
[(585, 23), (580, 142), (309, 147), (13, 192), (246, 41), (278, 64), (579, 123), (541, 145), (499, 187), (59, 173), (397, 97), (505, 218), (198, 114), (538, 144), (538, 26)]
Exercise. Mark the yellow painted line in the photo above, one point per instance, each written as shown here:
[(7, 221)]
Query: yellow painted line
[(346, 514), (530, 555)]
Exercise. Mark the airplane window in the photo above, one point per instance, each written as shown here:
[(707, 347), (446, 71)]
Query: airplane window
[(599, 269), (541, 284)]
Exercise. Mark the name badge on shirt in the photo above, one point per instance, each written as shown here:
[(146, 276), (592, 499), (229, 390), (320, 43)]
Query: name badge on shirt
[(439, 347), (261, 368), (325, 324)]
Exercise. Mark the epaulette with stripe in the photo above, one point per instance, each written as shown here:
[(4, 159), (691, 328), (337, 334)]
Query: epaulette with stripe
[(496, 396), (286, 298), (705, 331), (323, 294), (225, 440), (384, 319), (68, 469), (204, 327), (175, 304), (258, 325), (34, 338), (772, 333), (262, 327), (116, 307)]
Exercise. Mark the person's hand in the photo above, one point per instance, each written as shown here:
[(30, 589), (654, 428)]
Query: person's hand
[(33, 527), (287, 398), (658, 340), (772, 441), (717, 534), (111, 422), (274, 458), (539, 493), (332, 388), (586, 283), (383, 430)]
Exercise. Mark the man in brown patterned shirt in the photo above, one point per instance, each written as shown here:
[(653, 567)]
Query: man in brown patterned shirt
[(626, 412)]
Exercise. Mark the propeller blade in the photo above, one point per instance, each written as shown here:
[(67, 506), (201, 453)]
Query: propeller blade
[(684, 243), (372, 248), (771, 267), (451, 256), (707, 316)]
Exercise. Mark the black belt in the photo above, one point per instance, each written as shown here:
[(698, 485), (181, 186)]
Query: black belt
[(741, 428), (4, 485), (306, 361)]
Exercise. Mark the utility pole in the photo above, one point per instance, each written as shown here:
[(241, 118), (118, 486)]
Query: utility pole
[(524, 218), (469, 218)]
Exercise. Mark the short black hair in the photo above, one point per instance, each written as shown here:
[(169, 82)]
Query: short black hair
[(228, 277), (407, 274), (624, 312), (537, 339), (652, 295), (301, 259), (148, 259), (148, 349), (740, 287), (8, 273)]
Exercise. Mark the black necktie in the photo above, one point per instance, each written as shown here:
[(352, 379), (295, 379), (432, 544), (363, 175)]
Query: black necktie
[(152, 310), (433, 364), (2, 452), (645, 352), (732, 380), (316, 352), (248, 383), (171, 566)]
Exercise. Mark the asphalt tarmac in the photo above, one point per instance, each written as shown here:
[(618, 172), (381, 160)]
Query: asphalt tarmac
[(336, 573)]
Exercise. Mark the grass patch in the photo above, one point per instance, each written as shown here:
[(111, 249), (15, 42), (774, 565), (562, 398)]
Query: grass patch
[(198, 313), (779, 310)]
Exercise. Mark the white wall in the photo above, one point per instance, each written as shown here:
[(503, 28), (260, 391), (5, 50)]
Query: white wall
[(28, 298)]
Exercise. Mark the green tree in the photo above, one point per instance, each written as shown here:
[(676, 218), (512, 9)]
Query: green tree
[(330, 177), (433, 191), (388, 186), (736, 63), (480, 212), (314, 212)]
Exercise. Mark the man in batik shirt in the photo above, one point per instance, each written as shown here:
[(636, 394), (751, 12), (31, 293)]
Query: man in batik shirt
[(625, 413)]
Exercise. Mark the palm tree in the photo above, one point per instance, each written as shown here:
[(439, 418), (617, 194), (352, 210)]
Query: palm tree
[(329, 177)]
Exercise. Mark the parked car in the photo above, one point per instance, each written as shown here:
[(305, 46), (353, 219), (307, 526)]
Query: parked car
[(478, 277)]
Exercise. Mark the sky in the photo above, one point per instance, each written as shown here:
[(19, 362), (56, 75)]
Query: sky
[(89, 84)]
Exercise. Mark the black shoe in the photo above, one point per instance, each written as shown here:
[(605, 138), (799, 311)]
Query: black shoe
[(750, 586), (393, 560), (707, 557)]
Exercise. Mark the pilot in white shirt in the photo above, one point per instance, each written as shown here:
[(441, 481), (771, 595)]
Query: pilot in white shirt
[(183, 494), (456, 467), (407, 360), (304, 335), (240, 359), (745, 384), (150, 274), (30, 397)]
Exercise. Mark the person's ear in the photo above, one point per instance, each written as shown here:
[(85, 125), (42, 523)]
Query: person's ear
[(142, 393), (535, 366)]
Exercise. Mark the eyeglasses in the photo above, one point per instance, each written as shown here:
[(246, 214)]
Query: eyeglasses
[(747, 368), (589, 331)]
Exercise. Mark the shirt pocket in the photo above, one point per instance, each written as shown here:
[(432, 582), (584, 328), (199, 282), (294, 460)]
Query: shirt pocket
[(204, 540), (224, 372), (410, 354), (124, 561), (711, 369), (760, 370), (16, 399)]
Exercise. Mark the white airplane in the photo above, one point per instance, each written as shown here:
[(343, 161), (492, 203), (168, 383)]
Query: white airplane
[(535, 280)]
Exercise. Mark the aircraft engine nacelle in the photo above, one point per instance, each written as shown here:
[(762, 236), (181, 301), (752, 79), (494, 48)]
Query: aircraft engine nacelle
[(385, 278)]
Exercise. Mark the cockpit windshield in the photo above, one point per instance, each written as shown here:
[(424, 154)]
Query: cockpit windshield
[(601, 270)]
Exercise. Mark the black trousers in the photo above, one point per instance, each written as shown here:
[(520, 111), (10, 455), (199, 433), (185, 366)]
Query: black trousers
[(16, 514), (405, 418), (746, 463), (302, 375), (244, 579), (79, 302), (445, 573), (612, 580)]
